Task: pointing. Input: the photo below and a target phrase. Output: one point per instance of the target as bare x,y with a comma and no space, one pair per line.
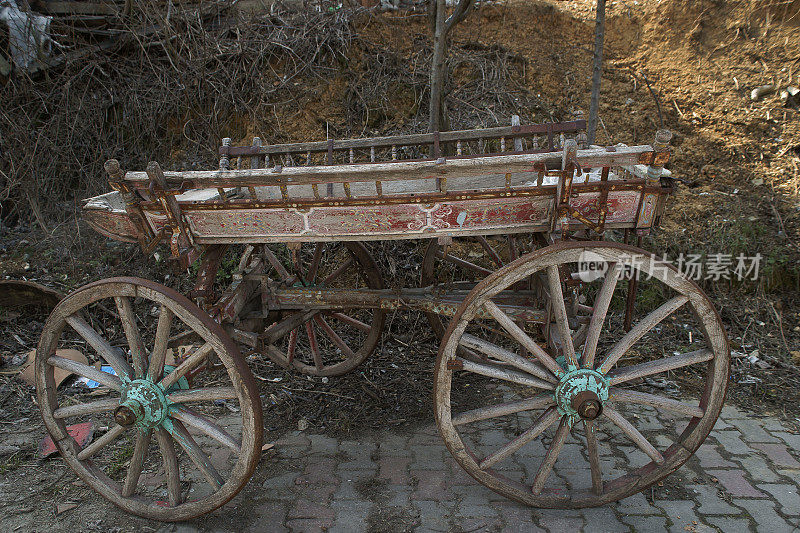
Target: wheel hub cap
143,404
581,393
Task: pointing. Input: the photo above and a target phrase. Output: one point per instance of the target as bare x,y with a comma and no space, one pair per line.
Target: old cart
530,304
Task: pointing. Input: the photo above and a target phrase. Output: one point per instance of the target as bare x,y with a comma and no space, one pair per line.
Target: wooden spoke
601,305
540,401
276,264
515,331
279,329
203,395
192,361
196,454
551,456
109,380
137,462
107,438
292,348
99,406
101,346
171,469
490,251
659,402
627,428
128,318
640,330
298,266
463,263
512,247
621,375
580,335
366,328
312,342
513,359
334,337
213,430
156,369
594,457
547,419
344,267
312,270
560,312
505,374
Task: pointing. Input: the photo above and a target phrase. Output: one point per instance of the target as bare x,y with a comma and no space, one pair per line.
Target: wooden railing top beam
406,140
399,170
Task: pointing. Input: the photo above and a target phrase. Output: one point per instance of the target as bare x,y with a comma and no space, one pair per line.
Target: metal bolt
588,405
124,416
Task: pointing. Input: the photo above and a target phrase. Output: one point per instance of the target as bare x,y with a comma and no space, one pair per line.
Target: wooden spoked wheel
172,441
323,341
468,260
556,413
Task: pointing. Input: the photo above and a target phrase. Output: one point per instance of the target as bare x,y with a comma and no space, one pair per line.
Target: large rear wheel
556,404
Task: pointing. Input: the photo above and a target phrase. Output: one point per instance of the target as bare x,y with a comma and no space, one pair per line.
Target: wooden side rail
510,132
464,143
402,170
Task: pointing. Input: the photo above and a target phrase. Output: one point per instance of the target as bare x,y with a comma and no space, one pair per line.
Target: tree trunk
597,69
438,67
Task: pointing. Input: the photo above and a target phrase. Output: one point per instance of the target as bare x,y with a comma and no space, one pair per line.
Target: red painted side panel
236,223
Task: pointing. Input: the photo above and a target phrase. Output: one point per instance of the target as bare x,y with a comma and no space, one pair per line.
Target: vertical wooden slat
352,156
255,161
372,154
517,141
224,161
379,188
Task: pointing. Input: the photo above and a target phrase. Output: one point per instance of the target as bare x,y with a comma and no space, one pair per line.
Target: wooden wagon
536,312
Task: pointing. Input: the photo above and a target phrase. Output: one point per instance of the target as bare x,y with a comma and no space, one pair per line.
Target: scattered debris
790,97
59,374
82,433
754,359
64,507
29,34
16,293
90,383
760,92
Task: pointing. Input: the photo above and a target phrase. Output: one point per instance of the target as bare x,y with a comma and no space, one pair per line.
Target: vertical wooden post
224,161
597,69
660,145
517,140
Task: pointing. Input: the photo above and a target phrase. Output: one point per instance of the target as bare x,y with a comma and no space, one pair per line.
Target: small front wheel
174,439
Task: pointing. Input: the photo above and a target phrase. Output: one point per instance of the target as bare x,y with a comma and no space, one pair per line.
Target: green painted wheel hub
143,404
580,394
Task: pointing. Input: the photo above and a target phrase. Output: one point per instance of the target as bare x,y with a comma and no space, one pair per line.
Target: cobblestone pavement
745,477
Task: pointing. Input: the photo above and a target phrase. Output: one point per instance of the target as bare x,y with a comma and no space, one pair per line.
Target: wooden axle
518,304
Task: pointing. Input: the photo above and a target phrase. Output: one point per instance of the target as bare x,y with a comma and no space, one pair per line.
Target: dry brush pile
172,82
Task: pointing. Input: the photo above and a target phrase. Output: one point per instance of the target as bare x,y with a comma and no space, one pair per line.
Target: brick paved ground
745,477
